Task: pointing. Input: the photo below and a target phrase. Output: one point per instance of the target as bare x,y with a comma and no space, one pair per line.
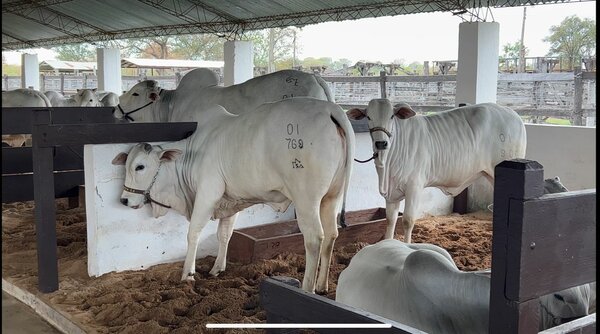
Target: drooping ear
169,155
153,96
403,111
120,159
356,113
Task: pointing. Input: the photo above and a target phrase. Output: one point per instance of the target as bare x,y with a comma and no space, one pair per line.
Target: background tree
573,39
511,50
76,52
198,47
272,46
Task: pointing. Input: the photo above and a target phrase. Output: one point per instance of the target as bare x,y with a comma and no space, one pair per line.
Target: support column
30,71
239,62
477,77
477,82
109,70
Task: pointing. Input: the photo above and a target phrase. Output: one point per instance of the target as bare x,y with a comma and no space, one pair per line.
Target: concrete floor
18,318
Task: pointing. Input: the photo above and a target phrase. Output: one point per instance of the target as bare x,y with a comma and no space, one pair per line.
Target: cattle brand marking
292,79
290,129
502,153
502,138
285,96
294,144
297,164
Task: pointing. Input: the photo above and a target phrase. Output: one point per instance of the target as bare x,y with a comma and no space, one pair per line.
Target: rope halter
146,192
375,154
126,114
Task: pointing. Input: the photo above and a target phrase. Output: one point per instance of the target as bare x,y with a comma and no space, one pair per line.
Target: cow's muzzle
381,145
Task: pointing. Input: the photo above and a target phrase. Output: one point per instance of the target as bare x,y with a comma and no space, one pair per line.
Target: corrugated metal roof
53,64
169,63
45,23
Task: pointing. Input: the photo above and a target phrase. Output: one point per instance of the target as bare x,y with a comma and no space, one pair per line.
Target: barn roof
169,63
46,23
61,65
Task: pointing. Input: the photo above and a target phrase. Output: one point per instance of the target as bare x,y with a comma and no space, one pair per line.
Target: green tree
75,52
198,47
271,46
511,50
573,39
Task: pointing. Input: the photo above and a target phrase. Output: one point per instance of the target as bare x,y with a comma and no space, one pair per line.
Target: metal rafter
19,6
236,27
177,10
58,21
6,35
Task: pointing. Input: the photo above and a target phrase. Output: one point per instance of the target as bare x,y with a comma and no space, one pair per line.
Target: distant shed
54,66
169,66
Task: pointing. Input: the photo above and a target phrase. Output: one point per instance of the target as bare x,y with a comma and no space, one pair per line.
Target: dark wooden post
577,96
382,81
460,204
45,211
62,83
515,180
5,82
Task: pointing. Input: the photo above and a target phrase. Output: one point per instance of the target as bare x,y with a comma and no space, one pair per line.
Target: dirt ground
156,301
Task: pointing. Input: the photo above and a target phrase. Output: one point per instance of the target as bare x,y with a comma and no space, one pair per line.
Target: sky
415,37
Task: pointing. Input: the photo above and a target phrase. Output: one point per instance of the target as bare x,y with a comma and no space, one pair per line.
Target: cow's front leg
200,217
224,232
391,213
411,211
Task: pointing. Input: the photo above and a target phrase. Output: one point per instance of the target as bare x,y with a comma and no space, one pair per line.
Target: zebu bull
296,150
22,97
108,99
448,150
83,98
419,285
198,90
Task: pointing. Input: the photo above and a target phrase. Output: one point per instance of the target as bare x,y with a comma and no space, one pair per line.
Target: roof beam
58,21
176,10
4,34
19,6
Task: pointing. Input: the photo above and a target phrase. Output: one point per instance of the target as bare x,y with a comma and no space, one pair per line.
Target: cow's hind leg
309,223
224,232
391,213
328,215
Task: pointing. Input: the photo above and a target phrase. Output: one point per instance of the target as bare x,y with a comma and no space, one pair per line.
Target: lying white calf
419,285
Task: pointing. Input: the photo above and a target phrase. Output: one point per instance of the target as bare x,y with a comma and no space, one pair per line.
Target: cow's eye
139,167
135,94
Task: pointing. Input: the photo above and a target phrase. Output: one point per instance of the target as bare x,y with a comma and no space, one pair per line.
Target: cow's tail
340,118
325,88
45,98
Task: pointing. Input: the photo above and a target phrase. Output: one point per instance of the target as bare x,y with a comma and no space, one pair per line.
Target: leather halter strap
378,128
146,192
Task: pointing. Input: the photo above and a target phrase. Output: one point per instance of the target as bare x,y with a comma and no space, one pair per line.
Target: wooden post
382,81
460,203
426,67
45,211
42,83
577,96
62,83
84,86
516,179
5,82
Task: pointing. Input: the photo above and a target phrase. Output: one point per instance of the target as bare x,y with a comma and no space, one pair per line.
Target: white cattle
83,98
108,99
419,285
23,97
198,90
296,150
448,150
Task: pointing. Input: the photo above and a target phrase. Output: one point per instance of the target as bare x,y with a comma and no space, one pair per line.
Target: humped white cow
22,97
296,150
448,150
83,98
420,286
108,99
198,90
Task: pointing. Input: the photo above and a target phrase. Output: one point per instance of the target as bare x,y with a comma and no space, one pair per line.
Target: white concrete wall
109,70
239,62
568,152
121,238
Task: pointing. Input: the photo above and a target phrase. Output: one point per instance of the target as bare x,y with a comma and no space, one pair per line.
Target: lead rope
375,155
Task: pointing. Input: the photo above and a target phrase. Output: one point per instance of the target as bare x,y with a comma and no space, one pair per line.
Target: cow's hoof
188,277
215,272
